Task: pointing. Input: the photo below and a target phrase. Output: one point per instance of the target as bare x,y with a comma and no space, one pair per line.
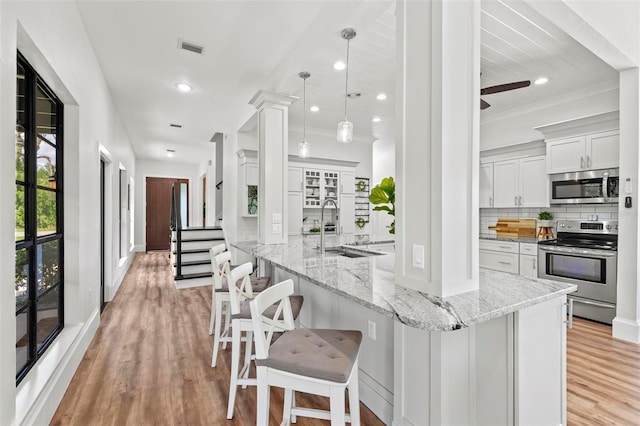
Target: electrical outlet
276,228
372,330
276,218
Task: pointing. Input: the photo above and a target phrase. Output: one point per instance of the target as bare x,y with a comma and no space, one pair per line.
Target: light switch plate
276,218
372,330
417,256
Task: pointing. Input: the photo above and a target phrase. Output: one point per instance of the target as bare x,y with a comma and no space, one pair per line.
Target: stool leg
354,397
294,418
216,331
227,321
337,406
247,356
286,410
235,360
263,397
213,310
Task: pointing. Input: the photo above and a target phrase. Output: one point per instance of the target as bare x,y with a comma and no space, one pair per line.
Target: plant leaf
382,208
378,196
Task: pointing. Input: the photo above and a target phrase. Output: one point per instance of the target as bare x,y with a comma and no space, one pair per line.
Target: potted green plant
384,195
544,218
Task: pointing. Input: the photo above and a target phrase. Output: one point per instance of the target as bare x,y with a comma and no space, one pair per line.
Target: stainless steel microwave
592,187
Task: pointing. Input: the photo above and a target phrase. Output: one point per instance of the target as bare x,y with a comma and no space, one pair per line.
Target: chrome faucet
327,201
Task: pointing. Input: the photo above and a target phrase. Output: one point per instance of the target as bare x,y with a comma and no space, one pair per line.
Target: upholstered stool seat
296,301
322,354
257,284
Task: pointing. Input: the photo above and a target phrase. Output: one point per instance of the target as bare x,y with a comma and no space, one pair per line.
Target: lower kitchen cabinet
499,255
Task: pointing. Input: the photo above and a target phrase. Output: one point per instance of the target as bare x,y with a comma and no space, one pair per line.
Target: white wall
165,169
52,37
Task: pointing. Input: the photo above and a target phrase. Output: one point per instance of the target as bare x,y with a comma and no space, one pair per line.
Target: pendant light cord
304,100
346,83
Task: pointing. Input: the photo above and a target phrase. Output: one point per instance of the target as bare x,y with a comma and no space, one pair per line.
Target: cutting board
515,228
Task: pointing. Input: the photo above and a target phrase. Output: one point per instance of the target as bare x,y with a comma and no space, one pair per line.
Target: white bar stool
221,265
317,361
213,252
239,296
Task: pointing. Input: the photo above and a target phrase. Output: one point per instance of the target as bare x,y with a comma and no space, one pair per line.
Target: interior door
158,211
102,239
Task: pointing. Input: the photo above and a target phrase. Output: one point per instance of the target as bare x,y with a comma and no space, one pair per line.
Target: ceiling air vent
179,126
190,46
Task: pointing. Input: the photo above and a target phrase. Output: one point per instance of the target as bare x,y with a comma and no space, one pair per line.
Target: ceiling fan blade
505,87
484,105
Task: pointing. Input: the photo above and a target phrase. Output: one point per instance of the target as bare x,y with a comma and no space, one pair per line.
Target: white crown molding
581,126
263,97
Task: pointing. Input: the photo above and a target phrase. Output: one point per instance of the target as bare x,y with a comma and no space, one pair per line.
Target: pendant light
345,128
303,147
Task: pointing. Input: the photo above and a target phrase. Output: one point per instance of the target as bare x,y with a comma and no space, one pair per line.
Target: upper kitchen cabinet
585,143
486,185
320,185
294,179
520,182
587,152
347,183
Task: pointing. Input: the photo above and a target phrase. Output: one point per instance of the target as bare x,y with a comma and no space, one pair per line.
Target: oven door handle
592,303
605,187
568,250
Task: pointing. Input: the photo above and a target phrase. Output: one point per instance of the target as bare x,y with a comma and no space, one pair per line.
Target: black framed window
39,274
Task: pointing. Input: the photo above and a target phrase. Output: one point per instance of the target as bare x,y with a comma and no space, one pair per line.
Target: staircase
190,255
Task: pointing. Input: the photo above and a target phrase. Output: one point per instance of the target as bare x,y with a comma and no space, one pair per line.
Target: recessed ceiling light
184,87
314,108
170,152
339,66
381,96
541,80
376,119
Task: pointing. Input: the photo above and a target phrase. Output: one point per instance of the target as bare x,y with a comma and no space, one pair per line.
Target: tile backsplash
489,217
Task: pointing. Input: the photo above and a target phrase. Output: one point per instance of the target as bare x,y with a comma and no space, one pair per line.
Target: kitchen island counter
369,281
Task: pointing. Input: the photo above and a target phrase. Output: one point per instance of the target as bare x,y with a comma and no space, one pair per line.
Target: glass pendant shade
303,149
345,132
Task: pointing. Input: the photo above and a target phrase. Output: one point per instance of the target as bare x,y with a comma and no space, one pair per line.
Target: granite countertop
369,281
531,240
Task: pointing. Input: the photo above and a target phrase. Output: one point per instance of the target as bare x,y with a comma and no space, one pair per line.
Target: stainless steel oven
592,187
585,253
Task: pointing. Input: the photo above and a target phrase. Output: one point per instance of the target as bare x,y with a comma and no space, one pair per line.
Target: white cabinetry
347,183
249,188
529,260
294,179
347,213
486,185
587,152
520,182
499,255
320,185
294,221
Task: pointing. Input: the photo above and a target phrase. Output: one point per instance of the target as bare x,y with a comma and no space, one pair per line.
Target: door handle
516,201
519,200
491,201
588,162
582,162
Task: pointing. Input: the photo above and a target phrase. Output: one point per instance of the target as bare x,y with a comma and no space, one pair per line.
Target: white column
437,146
273,130
626,324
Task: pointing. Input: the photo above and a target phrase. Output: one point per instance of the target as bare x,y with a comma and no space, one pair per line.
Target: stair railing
176,225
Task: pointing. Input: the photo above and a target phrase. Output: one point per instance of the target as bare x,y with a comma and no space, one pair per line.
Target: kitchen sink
347,252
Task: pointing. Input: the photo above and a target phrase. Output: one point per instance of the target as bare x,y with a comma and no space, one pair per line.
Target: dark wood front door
159,211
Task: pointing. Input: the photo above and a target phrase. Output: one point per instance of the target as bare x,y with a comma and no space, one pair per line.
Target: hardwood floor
149,362
603,377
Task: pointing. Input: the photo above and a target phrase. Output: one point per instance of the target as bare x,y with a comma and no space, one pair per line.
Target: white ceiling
252,45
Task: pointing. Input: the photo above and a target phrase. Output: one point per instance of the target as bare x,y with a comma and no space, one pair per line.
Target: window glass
46,172
48,314
20,212
20,160
46,121
22,278
46,212
48,261
22,340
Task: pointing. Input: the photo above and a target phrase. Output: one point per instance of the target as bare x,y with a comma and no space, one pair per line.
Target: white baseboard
625,329
193,282
121,271
376,397
40,392
139,248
